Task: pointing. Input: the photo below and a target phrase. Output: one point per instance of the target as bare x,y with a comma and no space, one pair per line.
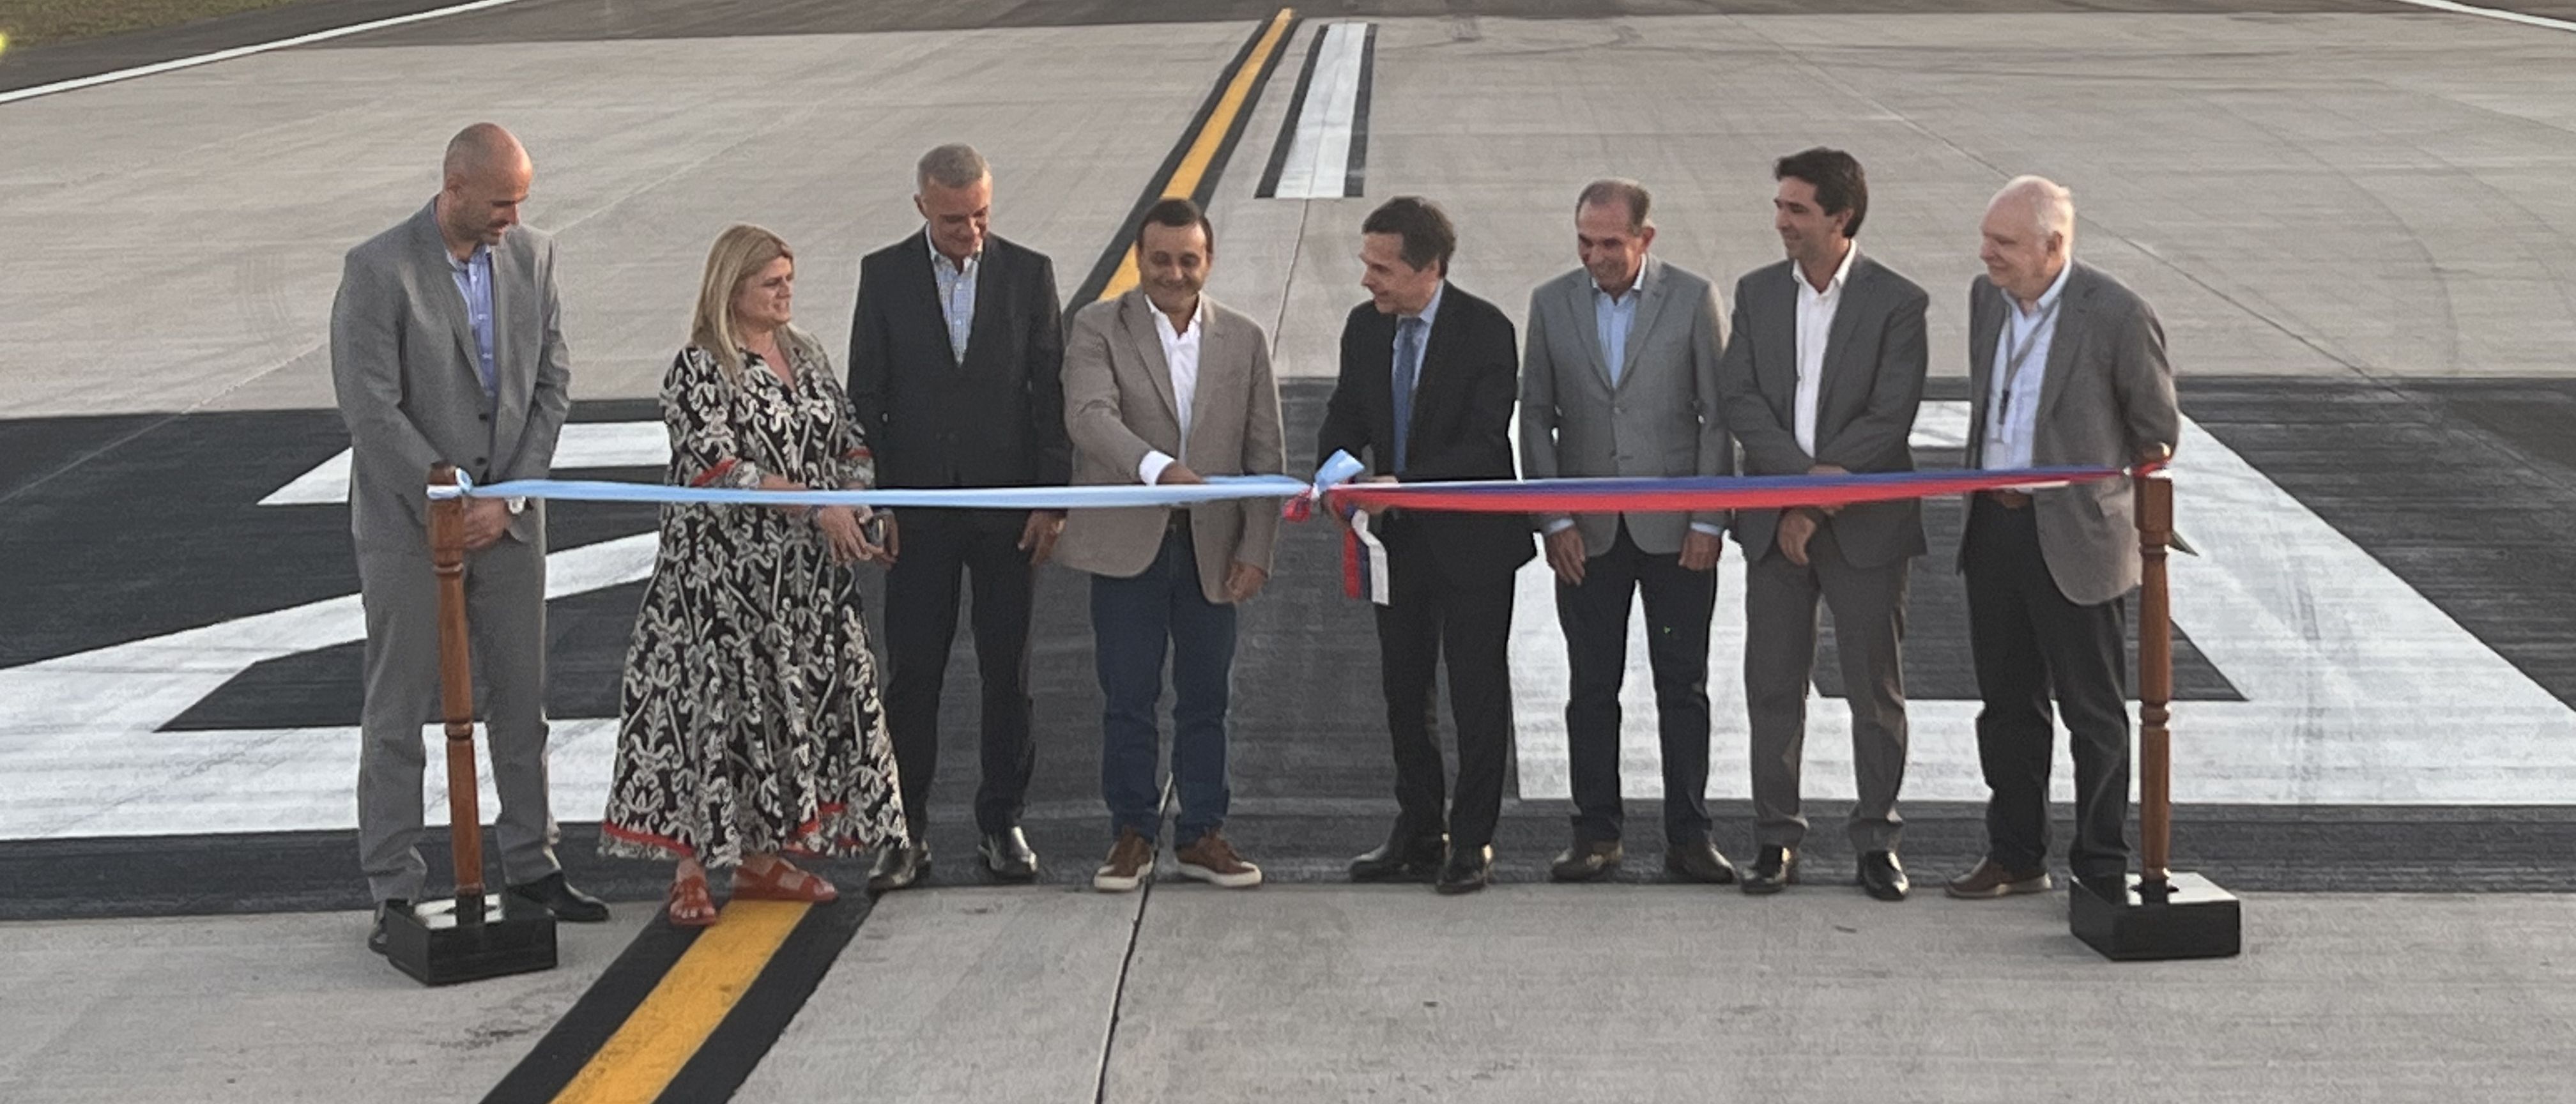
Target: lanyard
2014,358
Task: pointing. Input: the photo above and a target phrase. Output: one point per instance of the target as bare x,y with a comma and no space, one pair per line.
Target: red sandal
781,882
691,905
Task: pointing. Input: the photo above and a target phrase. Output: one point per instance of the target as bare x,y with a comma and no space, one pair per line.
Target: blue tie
1408,365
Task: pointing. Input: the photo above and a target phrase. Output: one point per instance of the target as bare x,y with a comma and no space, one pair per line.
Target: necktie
1408,366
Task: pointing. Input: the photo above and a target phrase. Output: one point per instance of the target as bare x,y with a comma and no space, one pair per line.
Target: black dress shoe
559,897
1881,876
1698,861
377,940
898,867
1587,860
1006,853
1401,859
1467,870
1774,870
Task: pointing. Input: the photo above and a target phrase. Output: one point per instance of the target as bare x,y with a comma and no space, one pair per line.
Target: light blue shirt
956,293
1430,312
1614,316
2012,404
474,282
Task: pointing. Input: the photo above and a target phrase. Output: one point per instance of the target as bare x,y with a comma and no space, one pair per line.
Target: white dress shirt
1181,353
956,286
1815,328
2012,402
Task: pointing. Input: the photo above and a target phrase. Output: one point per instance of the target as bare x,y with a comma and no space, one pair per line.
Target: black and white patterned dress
749,720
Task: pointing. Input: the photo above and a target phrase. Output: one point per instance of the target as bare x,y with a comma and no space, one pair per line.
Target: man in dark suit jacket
1824,375
1427,378
956,353
2066,366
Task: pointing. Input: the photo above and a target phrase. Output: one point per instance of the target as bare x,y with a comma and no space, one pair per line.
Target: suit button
482,417
478,462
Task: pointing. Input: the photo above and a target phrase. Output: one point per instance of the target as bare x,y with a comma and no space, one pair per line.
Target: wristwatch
518,504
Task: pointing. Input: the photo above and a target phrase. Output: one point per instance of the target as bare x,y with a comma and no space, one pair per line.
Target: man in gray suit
447,347
1619,378
1163,385
1823,376
2066,367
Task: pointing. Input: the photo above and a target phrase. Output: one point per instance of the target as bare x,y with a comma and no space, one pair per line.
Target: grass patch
42,22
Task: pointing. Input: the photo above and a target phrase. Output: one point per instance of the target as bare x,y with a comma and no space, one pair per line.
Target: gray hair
2051,206
1604,192
955,165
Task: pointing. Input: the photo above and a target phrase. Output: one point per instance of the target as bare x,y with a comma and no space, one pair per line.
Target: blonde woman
749,724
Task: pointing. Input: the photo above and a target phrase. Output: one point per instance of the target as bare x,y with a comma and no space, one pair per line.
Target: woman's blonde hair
739,254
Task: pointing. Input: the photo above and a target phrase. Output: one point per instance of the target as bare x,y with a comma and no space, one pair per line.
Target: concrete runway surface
2352,216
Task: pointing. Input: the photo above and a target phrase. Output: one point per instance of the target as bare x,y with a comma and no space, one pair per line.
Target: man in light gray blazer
2066,367
1824,375
1163,385
447,347
1619,378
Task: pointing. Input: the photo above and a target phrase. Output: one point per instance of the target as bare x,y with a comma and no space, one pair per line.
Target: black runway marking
1121,241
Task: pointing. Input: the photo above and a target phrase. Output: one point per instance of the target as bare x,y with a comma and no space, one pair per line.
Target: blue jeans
1135,623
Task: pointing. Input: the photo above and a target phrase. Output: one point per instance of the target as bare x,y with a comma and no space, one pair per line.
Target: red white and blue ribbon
1364,566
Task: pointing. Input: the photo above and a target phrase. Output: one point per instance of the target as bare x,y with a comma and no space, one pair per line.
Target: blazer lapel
1650,306
505,367
1136,313
2072,309
1855,296
926,291
1581,299
438,270
1985,328
988,300
1215,367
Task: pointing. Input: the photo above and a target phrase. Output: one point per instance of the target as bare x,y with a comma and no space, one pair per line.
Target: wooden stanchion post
2155,914
456,697
477,935
2155,685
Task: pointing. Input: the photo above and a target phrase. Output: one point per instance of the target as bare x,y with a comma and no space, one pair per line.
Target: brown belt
2010,500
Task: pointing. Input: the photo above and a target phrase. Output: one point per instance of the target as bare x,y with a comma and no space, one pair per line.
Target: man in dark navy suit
1428,375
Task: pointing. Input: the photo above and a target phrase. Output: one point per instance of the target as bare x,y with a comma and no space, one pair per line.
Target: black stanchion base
428,942
2190,917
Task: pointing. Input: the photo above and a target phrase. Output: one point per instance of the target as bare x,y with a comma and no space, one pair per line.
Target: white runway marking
1319,157
2494,13
191,62
2358,689
582,445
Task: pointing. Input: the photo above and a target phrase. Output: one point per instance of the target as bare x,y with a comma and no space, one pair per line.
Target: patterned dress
749,720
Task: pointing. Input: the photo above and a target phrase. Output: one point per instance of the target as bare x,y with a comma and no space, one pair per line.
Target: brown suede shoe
1130,863
1212,860
1991,880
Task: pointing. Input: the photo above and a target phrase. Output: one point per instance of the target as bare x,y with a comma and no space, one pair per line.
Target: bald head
2028,236
483,180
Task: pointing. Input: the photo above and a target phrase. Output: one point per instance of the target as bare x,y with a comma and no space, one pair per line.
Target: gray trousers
1868,604
505,611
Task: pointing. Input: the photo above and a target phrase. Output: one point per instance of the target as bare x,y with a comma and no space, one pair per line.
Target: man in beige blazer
2066,367
1163,385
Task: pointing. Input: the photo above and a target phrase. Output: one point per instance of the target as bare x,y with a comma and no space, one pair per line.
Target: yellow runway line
1194,164
667,1029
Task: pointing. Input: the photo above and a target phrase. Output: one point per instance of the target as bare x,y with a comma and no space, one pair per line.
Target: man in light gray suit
1163,385
2066,367
1823,376
1619,378
447,347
